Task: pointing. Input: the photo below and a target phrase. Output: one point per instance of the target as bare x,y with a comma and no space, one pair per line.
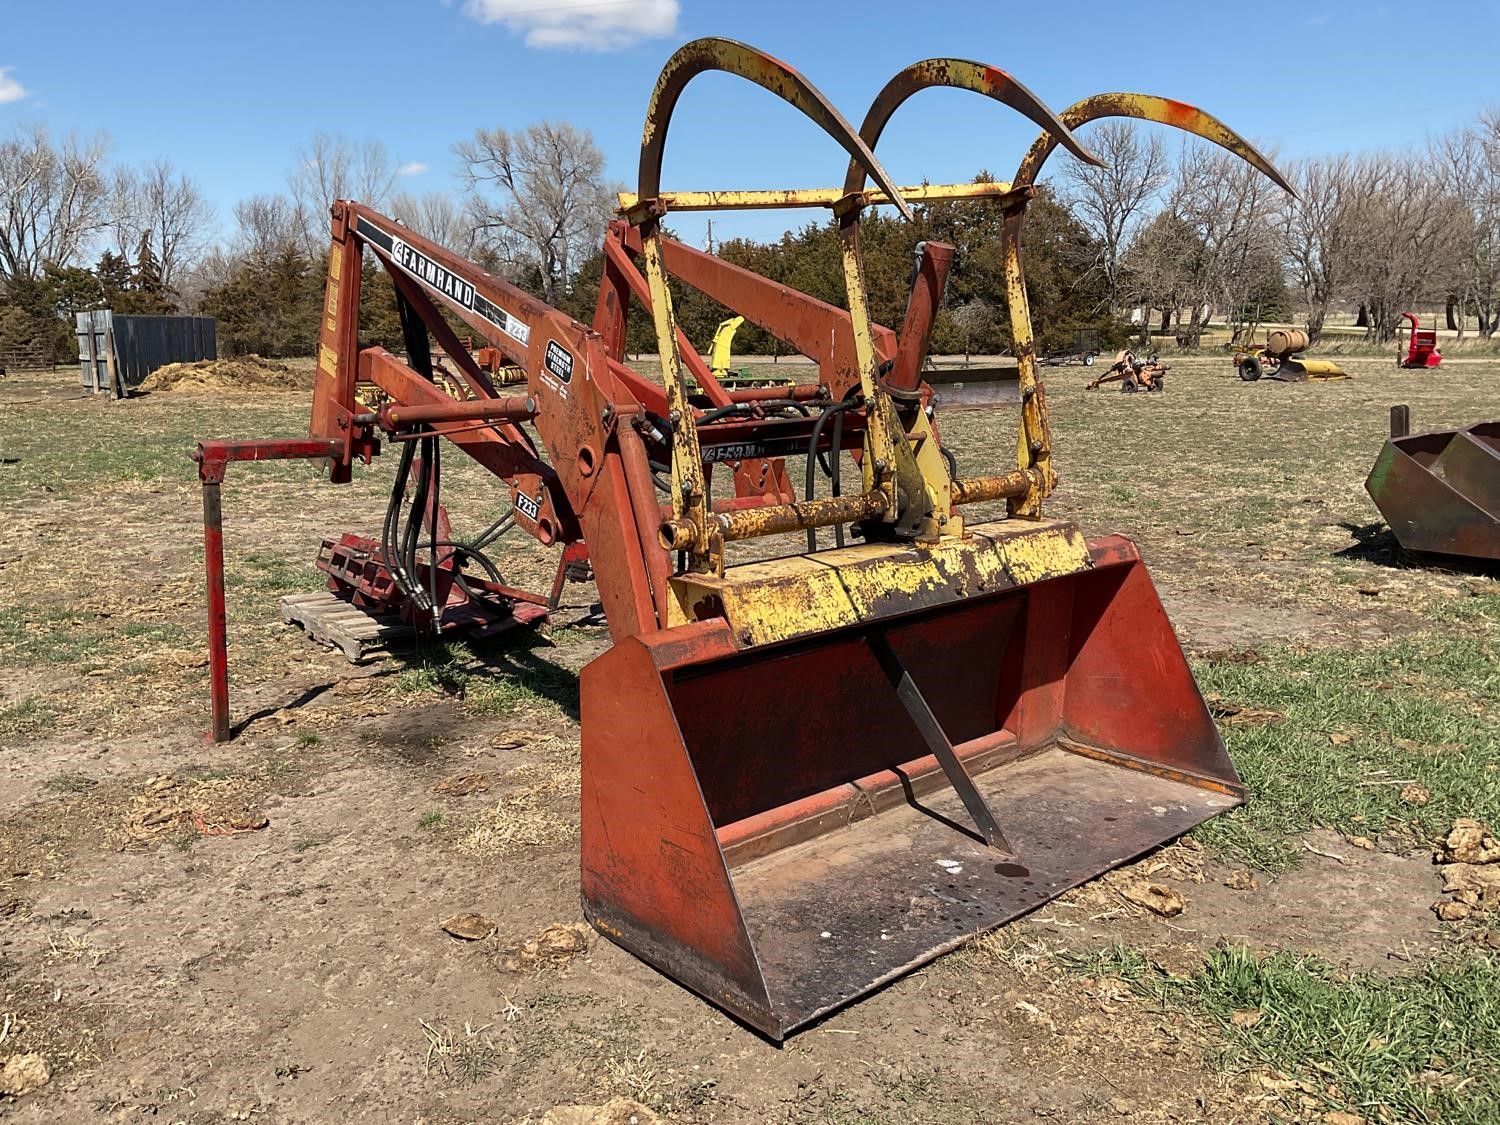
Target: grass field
207,934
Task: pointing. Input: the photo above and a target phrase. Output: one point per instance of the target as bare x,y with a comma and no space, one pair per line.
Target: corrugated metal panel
141,345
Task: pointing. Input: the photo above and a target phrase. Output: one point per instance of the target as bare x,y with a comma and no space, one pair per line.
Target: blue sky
228,91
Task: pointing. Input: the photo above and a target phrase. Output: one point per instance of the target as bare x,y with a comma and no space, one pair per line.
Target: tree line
1181,234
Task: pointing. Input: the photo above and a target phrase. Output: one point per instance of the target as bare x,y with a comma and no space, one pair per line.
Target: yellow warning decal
331,302
328,361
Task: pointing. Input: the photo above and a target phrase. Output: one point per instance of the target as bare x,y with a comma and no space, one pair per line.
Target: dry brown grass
538,811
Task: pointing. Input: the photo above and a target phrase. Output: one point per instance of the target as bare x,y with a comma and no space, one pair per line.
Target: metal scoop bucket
1440,491
771,826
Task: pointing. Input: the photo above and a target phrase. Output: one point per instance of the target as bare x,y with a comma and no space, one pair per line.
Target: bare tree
53,200
164,206
1113,201
331,167
1316,229
266,225
438,216
1407,235
971,318
1159,266
1230,207
537,197
1468,167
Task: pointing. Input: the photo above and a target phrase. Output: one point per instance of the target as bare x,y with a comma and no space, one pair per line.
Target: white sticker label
444,281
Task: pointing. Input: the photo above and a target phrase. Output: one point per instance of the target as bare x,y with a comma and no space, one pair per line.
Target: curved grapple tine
960,74
774,75
1148,107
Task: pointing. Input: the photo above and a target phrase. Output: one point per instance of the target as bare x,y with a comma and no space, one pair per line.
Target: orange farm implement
806,773
1149,374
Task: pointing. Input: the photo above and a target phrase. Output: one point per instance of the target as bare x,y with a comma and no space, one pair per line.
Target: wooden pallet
330,620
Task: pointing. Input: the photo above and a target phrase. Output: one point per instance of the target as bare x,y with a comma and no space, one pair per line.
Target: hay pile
245,373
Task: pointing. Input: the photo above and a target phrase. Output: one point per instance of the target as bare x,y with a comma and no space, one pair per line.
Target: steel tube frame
213,459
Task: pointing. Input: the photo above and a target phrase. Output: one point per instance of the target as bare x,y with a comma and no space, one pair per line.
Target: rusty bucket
771,827
1440,491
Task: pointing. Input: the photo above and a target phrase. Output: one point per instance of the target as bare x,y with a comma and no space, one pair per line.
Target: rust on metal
1006,486
823,197
776,519
960,74
1147,107
509,408
772,74
1440,491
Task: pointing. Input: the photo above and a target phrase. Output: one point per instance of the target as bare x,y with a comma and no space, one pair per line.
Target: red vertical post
934,261
338,339
213,569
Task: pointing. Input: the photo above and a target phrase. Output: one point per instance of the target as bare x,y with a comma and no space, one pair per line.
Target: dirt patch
1325,906
247,373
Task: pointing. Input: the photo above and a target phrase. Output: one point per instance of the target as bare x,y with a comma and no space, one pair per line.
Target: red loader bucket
771,828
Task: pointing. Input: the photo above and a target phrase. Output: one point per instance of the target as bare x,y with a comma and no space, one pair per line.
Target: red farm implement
804,773
1421,345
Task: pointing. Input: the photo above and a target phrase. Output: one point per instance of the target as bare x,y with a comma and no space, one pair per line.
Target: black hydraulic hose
746,407
391,527
494,531
468,551
432,532
833,477
418,346
417,516
814,455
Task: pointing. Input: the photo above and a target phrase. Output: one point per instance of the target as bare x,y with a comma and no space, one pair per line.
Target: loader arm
593,483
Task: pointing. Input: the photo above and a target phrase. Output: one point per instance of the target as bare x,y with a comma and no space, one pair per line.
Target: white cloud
414,168
10,89
600,25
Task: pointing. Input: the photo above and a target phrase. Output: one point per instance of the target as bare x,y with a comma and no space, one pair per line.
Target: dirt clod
554,947
1473,884
1417,795
1246,1017
1233,715
616,1111
1161,900
1339,1117
468,926
1240,879
1469,841
463,784
24,1073
1451,911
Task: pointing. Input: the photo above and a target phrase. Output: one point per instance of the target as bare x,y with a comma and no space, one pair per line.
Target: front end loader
843,725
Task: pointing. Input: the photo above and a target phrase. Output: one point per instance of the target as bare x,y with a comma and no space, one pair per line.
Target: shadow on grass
266,712
491,675
1376,544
